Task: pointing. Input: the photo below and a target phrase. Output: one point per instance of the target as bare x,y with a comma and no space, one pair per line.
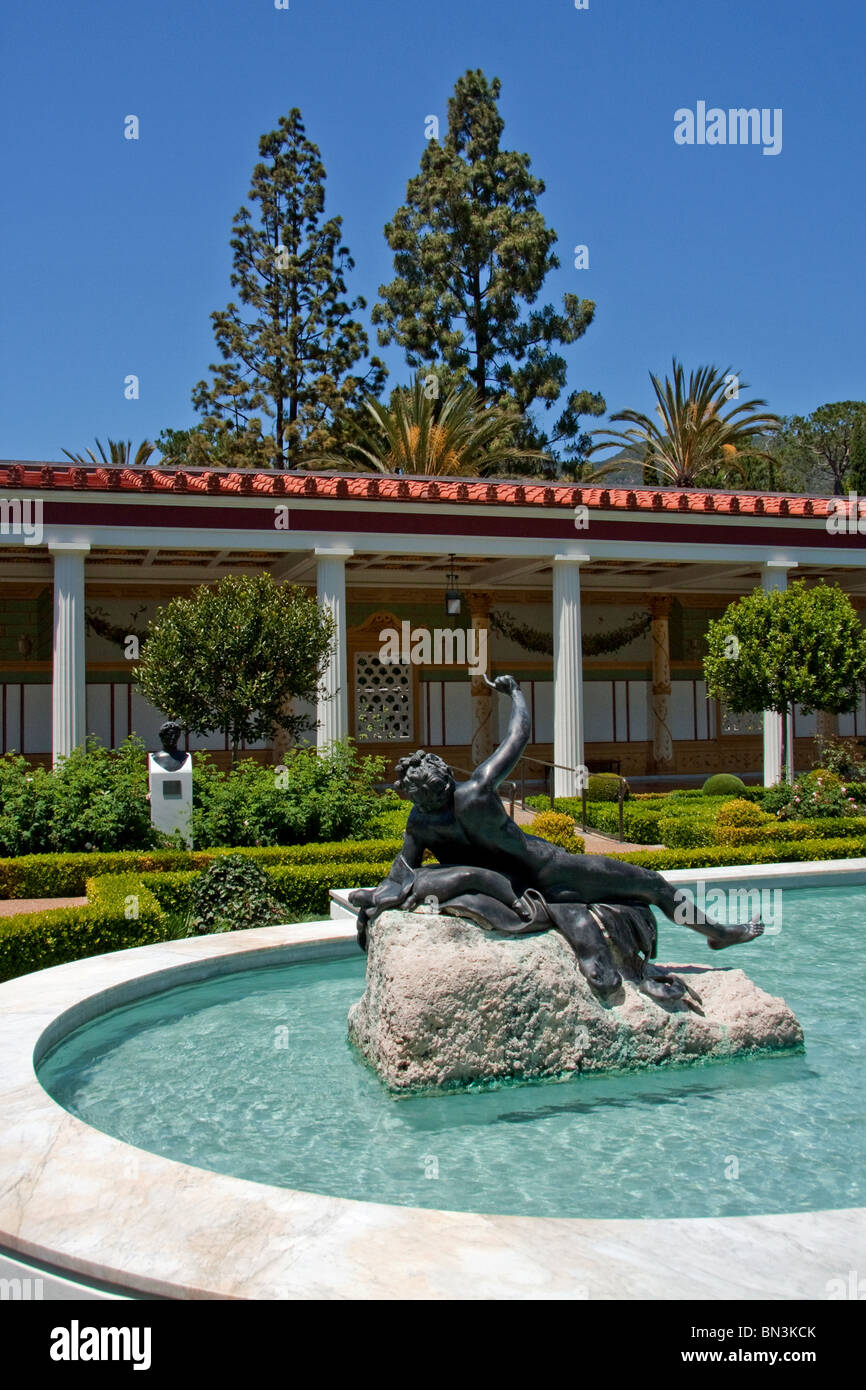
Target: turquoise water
251,1074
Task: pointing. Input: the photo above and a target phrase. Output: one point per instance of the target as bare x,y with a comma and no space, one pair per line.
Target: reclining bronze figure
490,871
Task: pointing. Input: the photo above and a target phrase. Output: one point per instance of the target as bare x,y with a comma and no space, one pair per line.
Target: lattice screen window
747,723
383,700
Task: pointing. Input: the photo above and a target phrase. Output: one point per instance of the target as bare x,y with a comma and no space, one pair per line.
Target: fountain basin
99,1207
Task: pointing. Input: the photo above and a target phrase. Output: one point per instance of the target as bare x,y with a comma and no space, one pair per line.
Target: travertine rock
448,1004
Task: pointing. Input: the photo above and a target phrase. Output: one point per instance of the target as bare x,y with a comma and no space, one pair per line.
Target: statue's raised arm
501,761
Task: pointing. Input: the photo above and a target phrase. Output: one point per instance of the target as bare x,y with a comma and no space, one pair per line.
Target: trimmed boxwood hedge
302,888
65,875
680,821
35,940
773,852
822,828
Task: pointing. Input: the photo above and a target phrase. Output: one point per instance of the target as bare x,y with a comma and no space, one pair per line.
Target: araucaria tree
233,655
471,254
774,649
291,346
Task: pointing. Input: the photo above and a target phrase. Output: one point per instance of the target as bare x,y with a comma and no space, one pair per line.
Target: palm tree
119,454
696,442
455,433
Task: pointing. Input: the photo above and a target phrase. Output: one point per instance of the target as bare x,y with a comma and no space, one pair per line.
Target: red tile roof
370,487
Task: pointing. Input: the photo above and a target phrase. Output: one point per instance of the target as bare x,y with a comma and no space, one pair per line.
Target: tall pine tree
471,254
856,480
289,348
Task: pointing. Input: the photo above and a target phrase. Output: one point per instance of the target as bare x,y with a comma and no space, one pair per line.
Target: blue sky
115,252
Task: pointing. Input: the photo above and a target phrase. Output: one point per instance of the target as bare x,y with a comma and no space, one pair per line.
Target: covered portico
553,575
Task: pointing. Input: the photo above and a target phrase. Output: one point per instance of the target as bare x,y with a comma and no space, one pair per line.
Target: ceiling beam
696,576
502,572
292,566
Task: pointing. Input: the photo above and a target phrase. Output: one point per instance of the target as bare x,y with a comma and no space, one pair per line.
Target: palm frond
118,456
701,431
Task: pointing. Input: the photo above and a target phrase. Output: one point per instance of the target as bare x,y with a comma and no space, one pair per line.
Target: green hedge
679,820
723,784
826,828
717,856
640,822
36,940
687,832
302,888
65,875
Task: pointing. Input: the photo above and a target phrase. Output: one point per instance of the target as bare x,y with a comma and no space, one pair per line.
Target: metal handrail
548,781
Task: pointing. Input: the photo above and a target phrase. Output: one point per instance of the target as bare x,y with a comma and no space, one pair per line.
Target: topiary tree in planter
774,649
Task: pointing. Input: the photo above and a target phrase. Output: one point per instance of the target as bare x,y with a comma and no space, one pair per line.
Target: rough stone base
447,1004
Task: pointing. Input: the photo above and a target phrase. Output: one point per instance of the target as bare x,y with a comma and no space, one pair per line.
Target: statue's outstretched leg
597,879
583,934
718,934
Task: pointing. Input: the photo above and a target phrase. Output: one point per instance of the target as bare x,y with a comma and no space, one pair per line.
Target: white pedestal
171,797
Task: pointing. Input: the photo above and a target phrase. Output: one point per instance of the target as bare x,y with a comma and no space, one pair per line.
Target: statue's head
169,735
425,779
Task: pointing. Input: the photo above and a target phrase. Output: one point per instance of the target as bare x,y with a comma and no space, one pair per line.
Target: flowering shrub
96,799
841,757
816,794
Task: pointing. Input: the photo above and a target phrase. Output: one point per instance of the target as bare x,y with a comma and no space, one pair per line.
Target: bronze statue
168,757
511,882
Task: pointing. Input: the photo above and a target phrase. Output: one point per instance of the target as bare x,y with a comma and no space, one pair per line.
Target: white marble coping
98,1209
817,873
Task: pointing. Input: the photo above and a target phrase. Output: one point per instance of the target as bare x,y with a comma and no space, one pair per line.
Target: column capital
479,603
336,552
571,559
774,574
69,547
660,605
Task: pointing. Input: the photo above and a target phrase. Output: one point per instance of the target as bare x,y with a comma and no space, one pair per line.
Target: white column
567,674
68,695
332,710
774,575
